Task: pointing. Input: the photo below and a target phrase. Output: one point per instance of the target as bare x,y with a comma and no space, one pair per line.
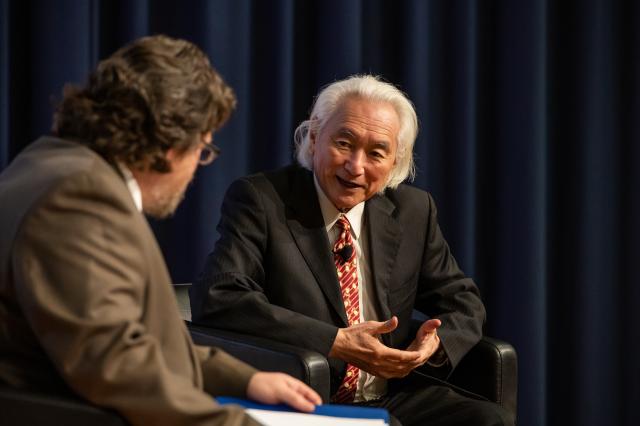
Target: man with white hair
334,254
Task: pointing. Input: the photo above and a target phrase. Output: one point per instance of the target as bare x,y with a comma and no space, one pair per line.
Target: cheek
191,166
378,178
323,161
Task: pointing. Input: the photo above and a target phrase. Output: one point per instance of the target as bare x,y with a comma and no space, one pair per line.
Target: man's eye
342,143
377,154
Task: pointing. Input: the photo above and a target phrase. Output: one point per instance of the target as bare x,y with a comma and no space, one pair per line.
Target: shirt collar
132,185
331,214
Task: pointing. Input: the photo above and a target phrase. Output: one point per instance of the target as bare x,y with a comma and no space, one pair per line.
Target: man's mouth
347,184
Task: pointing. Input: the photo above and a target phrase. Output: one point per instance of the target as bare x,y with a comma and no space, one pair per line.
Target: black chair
26,408
490,369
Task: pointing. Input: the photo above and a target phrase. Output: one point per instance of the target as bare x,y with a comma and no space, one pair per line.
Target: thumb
387,326
428,327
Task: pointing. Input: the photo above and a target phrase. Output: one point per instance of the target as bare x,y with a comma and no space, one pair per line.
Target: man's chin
344,204
159,214
164,207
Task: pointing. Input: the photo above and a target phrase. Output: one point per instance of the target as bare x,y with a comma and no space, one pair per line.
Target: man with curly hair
86,303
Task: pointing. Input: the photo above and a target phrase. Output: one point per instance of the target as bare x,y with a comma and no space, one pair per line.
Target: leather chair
26,408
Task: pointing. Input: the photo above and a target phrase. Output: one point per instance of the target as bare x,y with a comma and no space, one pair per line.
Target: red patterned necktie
345,260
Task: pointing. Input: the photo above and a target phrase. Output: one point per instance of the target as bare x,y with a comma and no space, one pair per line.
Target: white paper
285,418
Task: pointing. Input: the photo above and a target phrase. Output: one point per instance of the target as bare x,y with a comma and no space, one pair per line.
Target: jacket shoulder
282,183
408,196
284,176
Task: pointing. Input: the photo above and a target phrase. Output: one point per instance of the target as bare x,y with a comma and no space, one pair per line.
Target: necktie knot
343,223
343,248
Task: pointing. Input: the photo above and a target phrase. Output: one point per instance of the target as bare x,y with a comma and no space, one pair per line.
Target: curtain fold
529,141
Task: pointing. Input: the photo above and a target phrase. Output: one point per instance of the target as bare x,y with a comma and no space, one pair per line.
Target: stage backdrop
530,143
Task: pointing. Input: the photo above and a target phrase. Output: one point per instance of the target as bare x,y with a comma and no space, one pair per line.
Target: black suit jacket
271,273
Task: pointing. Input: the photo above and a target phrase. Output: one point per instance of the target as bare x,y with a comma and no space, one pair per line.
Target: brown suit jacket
86,301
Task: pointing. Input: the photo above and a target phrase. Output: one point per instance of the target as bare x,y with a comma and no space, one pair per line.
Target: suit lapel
385,234
307,228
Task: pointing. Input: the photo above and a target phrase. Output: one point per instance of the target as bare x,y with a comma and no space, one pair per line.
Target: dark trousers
430,402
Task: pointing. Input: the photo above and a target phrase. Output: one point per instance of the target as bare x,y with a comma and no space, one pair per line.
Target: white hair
370,88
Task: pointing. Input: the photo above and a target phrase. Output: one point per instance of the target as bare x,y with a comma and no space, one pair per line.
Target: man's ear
313,135
312,141
171,154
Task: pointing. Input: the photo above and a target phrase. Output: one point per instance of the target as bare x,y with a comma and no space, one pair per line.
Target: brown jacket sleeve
82,262
223,374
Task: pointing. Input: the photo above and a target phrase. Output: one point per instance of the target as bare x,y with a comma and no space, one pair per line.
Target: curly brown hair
152,95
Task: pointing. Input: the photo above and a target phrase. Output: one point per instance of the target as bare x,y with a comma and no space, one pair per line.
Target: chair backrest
21,407
308,366
182,295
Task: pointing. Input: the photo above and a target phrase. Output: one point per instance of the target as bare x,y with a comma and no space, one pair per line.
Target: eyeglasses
208,153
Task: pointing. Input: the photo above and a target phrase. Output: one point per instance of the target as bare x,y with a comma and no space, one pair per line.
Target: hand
276,388
427,340
359,345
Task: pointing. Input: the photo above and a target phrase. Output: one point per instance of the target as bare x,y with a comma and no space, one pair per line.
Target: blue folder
333,410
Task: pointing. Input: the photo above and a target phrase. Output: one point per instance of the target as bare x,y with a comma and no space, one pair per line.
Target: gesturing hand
427,341
359,345
276,388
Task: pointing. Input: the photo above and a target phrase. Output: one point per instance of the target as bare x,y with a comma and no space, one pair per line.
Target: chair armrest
267,355
490,369
21,407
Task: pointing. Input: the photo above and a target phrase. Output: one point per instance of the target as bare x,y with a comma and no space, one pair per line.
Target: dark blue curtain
530,143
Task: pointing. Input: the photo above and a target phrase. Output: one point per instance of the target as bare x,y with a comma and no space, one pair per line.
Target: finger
428,327
389,362
387,326
307,392
431,325
397,372
390,356
292,396
297,401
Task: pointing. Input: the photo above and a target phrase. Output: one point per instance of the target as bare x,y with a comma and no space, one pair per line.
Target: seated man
334,255
86,303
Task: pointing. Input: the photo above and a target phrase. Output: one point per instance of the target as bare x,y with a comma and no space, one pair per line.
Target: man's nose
355,163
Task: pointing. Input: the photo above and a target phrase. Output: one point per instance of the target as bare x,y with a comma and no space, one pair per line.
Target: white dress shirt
132,184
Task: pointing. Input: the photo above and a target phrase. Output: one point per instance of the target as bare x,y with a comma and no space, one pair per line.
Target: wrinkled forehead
356,118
